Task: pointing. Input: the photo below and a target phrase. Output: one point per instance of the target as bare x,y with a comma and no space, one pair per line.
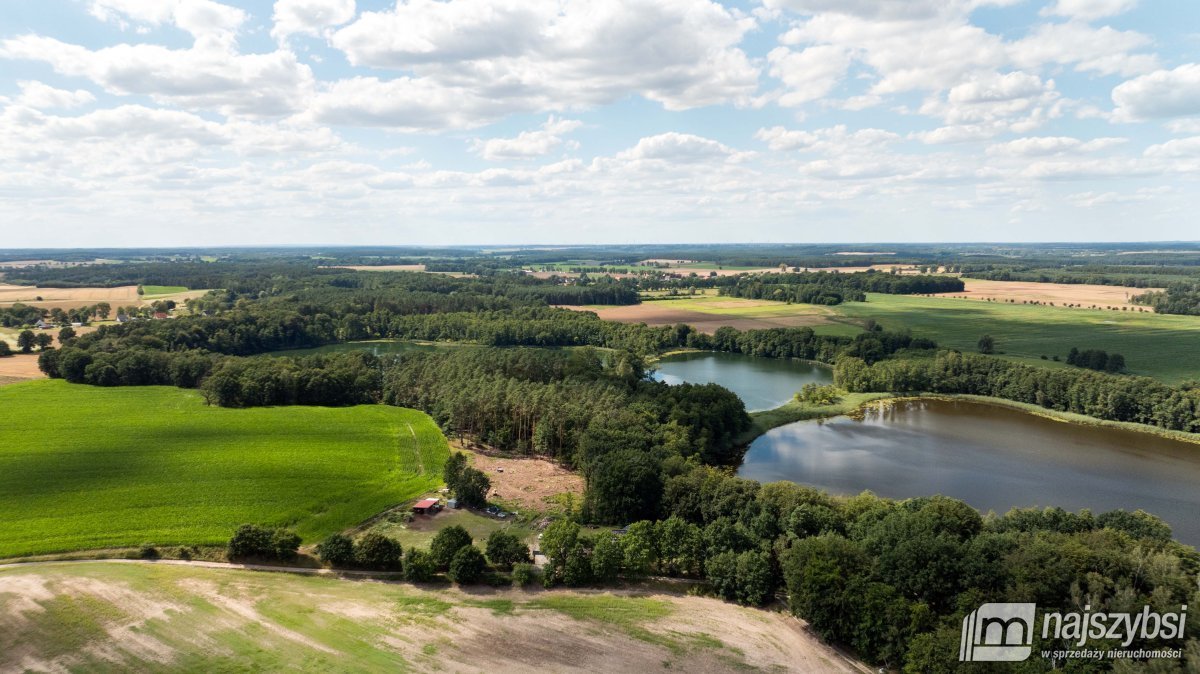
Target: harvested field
19,367
1058,293
70,298
529,482
709,312
171,617
381,267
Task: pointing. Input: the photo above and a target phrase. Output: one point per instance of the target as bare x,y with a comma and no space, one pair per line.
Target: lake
992,457
761,383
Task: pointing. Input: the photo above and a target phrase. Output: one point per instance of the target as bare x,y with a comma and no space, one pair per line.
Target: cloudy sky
185,122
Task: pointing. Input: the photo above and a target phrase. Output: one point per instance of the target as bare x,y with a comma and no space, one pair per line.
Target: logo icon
997,633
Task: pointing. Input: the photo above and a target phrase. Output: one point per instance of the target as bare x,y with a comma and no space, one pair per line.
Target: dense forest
833,288
890,579
1178,298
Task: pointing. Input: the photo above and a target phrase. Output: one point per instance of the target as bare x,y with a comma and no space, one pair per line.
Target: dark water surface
992,457
761,383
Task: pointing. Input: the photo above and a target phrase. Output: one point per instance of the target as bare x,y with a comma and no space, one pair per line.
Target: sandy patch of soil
707,323
1059,293
530,482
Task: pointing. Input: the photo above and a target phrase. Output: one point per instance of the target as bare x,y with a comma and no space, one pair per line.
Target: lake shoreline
855,403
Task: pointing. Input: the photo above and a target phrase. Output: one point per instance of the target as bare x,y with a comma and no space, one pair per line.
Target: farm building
43,324
426,506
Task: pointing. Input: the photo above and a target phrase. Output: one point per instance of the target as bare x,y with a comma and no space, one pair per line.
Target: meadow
84,467
111,616
1155,345
158,291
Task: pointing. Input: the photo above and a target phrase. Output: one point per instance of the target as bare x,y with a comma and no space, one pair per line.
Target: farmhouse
426,506
43,324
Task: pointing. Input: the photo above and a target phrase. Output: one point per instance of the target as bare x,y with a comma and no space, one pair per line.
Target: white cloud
678,148
1088,9
202,18
1052,145
1104,50
539,55
43,96
808,75
1163,93
201,77
833,140
527,144
309,17
1179,147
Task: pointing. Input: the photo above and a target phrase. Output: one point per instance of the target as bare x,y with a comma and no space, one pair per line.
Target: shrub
446,543
147,551
467,566
337,550
505,549
418,566
523,574
250,540
284,544
377,552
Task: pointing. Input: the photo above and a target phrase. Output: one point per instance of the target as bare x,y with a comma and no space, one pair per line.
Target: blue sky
197,122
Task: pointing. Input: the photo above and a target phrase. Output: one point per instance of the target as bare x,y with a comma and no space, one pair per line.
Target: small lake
992,457
761,383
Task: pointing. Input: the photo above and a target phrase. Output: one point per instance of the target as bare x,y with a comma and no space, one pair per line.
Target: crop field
70,298
1058,293
708,312
84,467
163,617
1155,345
156,291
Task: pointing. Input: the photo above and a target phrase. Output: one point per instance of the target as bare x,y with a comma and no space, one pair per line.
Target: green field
84,467
1155,345
155,291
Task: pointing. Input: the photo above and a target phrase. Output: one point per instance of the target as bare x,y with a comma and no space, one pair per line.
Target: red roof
426,503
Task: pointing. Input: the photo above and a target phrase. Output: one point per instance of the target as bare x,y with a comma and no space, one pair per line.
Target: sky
197,122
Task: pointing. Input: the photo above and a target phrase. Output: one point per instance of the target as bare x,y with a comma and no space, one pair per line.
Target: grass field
112,617
422,529
84,467
1155,345
155,291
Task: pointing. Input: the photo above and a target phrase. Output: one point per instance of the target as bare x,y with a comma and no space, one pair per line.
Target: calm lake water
761,383
991,457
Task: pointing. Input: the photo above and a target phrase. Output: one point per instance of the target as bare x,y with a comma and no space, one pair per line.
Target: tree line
1103,396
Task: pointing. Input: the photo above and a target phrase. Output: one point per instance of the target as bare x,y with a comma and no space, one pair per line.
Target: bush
337,550
467,566
505,549
148,551
523,574
447,543
251,540
377,552
284,544
418,566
